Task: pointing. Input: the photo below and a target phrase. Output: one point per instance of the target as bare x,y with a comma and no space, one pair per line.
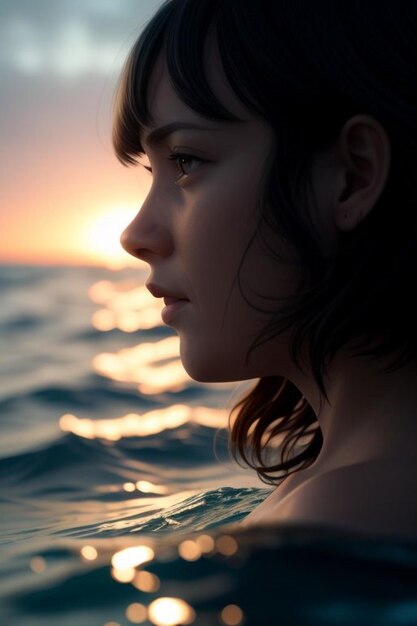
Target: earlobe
364,159
349,215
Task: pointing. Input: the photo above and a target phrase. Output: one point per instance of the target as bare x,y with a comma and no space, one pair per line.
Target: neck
369,415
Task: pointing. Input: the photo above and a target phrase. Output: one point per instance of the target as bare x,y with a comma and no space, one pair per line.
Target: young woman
282,141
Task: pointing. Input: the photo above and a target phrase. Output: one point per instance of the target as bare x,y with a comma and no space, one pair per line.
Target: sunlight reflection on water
125,306
143,425
144,364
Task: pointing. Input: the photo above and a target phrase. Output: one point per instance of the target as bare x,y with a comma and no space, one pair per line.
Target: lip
169,312
170,297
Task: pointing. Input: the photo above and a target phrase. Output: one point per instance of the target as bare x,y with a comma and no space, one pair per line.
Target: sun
103,238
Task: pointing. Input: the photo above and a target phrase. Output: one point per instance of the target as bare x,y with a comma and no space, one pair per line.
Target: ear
364,154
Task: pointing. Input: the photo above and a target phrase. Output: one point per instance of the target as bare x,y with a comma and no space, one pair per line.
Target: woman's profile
282,143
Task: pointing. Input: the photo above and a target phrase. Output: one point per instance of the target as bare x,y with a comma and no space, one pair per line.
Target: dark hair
305,68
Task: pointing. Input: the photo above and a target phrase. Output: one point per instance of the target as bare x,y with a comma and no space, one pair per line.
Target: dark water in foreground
119,504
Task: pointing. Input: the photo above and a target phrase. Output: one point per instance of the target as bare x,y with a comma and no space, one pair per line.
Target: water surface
119,502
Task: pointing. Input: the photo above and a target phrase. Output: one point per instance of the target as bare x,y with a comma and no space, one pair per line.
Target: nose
145,239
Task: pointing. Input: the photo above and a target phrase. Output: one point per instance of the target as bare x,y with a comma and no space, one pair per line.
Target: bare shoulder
373,497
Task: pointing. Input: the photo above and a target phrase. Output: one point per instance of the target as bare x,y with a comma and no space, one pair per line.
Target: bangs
179,32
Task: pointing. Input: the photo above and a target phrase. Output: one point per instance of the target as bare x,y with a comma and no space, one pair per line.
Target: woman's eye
184,161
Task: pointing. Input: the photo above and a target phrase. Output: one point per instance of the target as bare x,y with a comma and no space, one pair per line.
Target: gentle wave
69,451
90,394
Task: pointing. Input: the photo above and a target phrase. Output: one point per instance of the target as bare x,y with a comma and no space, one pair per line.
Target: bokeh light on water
170,612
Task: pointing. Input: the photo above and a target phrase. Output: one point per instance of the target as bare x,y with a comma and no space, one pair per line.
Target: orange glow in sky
91,237
101,237
64,196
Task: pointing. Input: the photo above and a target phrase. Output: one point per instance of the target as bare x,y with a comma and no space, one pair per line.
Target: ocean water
119,502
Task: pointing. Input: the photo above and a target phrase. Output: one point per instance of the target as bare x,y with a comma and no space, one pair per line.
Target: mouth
168,301
161,292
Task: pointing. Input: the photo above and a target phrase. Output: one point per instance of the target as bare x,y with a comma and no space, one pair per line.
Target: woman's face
193,230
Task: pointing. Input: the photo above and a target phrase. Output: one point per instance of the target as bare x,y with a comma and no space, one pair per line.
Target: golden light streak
131,425
146,487
170,612
143,365
89,429
143,425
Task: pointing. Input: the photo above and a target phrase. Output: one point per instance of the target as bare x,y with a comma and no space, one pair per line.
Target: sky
64,197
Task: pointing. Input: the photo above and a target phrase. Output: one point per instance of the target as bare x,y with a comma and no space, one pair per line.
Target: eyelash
176,156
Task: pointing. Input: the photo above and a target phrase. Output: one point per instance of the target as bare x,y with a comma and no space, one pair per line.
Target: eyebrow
158,134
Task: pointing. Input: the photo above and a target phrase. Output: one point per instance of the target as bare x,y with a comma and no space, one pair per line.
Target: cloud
69,38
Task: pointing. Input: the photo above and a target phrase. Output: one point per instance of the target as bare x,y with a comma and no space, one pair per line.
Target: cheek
223,326
219,224
216,245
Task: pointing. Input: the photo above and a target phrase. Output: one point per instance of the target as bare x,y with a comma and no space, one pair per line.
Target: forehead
166,105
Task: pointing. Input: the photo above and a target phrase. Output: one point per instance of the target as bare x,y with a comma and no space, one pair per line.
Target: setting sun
102,238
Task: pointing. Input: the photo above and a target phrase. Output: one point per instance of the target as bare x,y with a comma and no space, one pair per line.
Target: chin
204,370
203,374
